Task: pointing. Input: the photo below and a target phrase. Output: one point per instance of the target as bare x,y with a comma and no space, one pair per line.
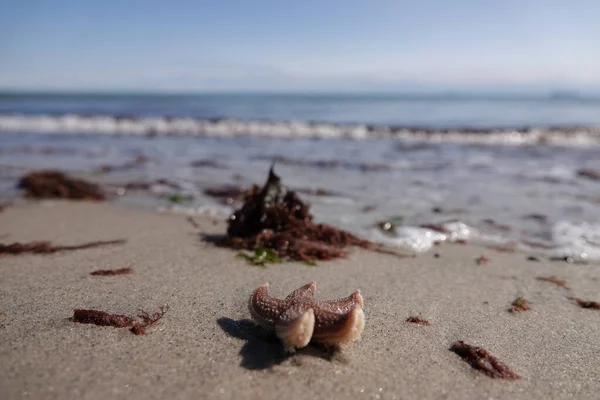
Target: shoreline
205,345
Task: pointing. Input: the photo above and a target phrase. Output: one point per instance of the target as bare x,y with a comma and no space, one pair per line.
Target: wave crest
185,126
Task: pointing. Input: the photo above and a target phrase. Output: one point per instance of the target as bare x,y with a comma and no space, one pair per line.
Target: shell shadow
263,349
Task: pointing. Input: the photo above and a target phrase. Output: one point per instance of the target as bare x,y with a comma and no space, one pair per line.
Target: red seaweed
102,318
553,279
594,305
417,320
111,272
49,184
148,320
48,248
275,218
520,304
481,360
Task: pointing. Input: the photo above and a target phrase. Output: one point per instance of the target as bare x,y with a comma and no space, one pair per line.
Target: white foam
578,241
112,125
413,238
423,239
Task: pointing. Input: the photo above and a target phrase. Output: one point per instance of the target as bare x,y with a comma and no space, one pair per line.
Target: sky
307,45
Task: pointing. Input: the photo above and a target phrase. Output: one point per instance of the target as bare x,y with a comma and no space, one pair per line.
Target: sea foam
76,124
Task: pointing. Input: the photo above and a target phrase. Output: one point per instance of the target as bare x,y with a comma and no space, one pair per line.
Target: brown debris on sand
520,304
417,320
102,318
48,248
148,320
481,360
49,184
589,173
594,305
481,260
553,279
510,247
275,218
193,222
111,272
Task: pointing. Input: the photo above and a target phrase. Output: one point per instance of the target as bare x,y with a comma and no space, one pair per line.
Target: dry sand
205,348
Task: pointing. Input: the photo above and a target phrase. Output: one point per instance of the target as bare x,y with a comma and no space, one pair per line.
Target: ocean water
494,169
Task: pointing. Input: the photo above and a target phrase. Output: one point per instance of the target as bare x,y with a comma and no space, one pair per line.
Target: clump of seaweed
275,218
111,272
520,304
417,320
553,279
594,305
102,318
49,184
48,248
481,360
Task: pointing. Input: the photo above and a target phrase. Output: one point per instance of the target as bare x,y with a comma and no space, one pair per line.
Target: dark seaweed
417,320
57,185
102,318
481,360
594,305
49,248
111,272
275,218
589,173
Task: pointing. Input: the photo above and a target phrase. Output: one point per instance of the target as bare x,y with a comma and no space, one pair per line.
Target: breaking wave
76,124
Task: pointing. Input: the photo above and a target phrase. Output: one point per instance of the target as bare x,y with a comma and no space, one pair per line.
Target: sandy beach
206,347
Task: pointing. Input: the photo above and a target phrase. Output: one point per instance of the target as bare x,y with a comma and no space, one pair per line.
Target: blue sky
312,45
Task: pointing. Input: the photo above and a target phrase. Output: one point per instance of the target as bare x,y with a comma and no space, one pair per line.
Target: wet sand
205,346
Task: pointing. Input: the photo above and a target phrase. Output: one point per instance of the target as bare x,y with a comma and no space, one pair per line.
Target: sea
516,171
